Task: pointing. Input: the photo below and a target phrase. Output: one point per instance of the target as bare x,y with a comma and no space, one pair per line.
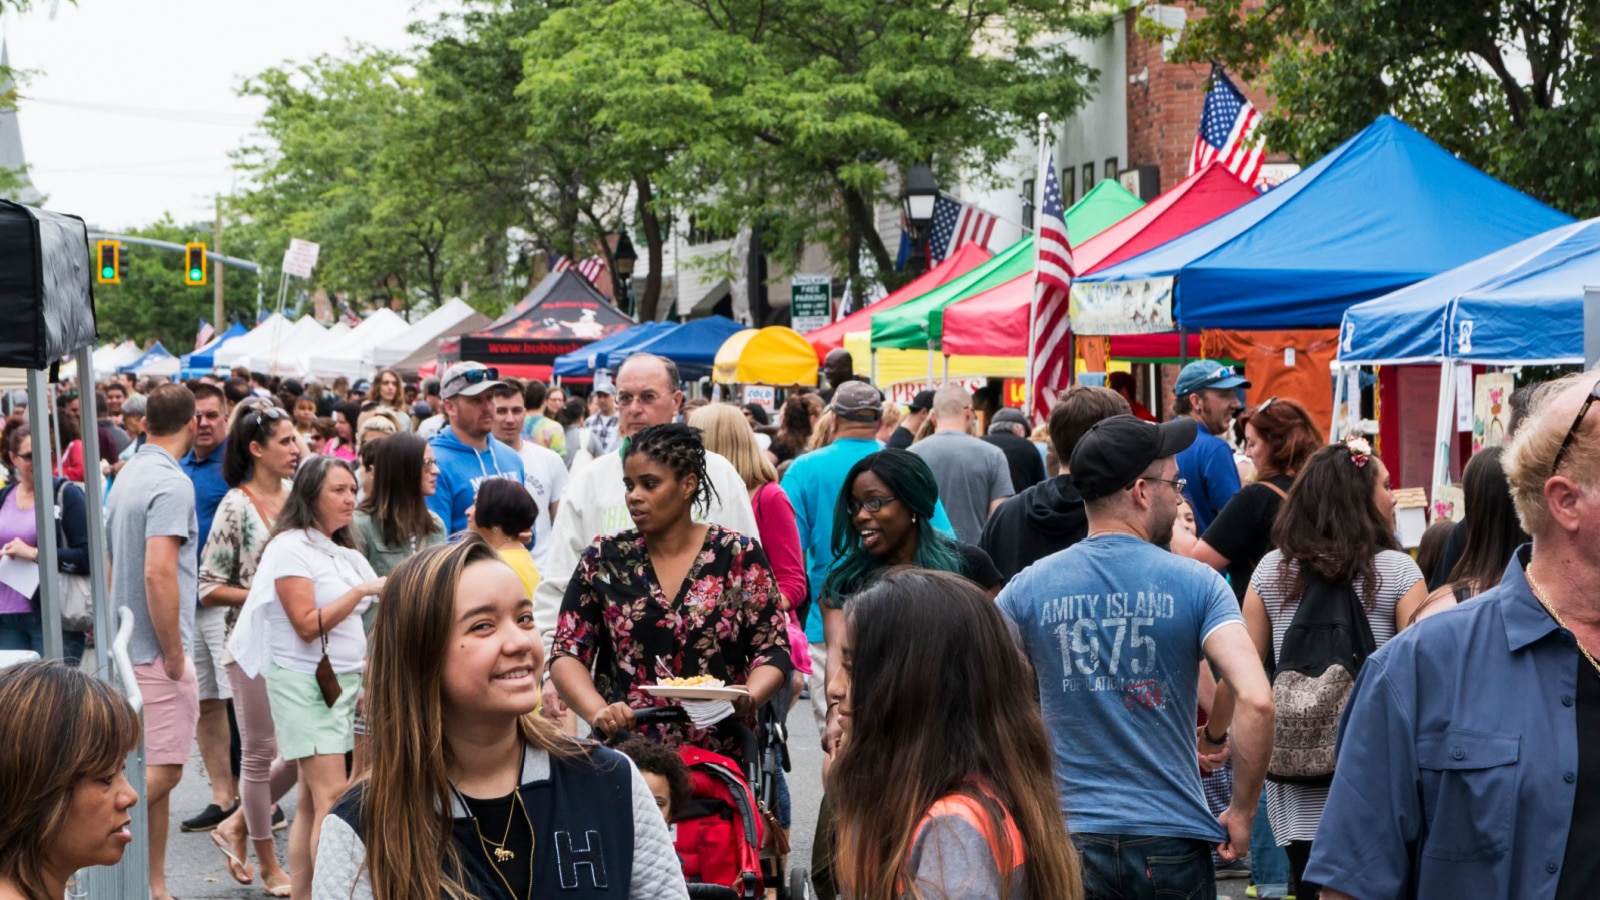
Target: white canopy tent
346,359
282,356
420,343
260,337
331,337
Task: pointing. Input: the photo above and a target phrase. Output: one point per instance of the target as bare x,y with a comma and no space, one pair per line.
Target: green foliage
153,302
1511,86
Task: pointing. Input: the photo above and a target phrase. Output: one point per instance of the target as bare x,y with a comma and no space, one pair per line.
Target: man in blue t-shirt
1117,628
1208,393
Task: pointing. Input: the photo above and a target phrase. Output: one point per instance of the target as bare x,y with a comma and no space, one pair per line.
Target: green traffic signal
108,273
196,274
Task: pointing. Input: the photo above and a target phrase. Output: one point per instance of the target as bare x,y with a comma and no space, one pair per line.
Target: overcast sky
173,67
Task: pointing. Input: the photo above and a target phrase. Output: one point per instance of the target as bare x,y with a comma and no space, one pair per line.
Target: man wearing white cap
603,424
466,452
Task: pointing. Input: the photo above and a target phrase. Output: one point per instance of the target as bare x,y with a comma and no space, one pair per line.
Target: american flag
204,335
350,317
956,223
1050,368
589,268
1228,131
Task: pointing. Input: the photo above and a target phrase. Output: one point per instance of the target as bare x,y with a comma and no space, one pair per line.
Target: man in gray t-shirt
152,535
973,476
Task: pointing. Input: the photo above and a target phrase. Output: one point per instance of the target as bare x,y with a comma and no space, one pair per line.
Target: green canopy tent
1106,204
905,327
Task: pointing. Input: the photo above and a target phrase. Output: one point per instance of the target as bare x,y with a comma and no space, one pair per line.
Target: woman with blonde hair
67,800
464,774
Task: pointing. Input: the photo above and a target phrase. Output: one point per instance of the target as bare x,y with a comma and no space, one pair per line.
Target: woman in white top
307,598
1339,520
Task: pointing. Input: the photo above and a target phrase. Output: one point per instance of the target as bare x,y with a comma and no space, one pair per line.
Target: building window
1027,204
703,232
1111,167
1069,191
1088,176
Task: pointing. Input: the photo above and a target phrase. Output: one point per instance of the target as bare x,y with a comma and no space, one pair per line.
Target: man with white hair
973,477
1469,755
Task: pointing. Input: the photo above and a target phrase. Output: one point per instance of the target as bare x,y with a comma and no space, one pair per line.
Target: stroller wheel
799,886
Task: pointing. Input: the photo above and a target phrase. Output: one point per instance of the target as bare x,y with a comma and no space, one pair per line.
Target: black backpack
1322,653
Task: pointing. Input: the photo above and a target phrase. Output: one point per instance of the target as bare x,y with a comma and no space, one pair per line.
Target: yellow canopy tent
774,355
896,365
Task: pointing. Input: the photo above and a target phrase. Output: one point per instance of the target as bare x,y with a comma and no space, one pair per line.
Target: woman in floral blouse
262,453
670,598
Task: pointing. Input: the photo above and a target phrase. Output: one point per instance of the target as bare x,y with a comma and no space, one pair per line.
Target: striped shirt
1295,809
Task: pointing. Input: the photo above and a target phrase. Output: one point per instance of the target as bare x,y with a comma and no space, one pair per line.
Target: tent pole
1335,427
1072,357
872,364
946,379
930,367
1445,433
1183,347
40,404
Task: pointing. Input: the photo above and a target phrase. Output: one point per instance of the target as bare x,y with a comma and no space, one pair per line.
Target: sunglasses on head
1572,433
477,376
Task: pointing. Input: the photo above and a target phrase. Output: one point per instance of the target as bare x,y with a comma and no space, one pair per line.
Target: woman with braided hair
670,598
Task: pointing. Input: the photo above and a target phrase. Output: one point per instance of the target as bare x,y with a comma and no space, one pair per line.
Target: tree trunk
862,224
655,249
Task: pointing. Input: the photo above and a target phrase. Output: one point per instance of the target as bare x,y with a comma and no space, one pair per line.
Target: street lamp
625,257
918,194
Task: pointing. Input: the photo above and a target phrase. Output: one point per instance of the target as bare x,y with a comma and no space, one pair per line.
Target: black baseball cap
1116,451
922,401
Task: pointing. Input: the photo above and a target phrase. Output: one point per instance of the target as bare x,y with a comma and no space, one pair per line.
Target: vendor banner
904,392
1122,307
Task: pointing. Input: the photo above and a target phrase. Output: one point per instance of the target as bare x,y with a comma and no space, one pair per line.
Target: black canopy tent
564,313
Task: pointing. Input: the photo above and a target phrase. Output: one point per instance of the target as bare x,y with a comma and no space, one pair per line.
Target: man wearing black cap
1116,627
903,435
1008,430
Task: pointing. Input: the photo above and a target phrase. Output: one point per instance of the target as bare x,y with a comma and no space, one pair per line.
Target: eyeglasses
648,398
1178,484
476,376
871,504
1594,394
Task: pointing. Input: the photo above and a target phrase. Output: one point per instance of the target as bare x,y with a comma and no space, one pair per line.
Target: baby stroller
728,850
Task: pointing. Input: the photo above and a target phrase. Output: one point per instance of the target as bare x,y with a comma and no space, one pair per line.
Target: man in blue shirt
466,450
1207,392
1469,754
1117,628
203,465
813,482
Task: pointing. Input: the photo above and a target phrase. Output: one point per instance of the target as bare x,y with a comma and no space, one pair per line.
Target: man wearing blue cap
1207,391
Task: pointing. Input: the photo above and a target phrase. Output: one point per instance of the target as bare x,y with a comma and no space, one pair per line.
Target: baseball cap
857,401
1205,373
134,406
603,384
922,402
468,379
1116,451
1010,415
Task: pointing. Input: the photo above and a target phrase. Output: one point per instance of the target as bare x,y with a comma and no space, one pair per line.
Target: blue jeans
25,631
1269,865
1135,867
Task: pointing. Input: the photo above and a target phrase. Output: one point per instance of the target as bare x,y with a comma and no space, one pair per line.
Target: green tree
152,302
1511,86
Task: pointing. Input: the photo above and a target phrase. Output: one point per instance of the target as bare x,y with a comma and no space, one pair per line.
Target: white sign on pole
810,302
1463,398
300,258
762,394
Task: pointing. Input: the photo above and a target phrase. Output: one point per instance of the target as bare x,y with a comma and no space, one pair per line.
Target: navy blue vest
582,826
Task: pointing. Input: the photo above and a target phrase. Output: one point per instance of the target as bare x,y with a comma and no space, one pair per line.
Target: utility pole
216,249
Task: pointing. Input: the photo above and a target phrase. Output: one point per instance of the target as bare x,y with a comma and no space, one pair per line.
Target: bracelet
1215,742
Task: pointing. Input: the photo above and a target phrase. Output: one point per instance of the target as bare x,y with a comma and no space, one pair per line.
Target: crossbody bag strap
1275,489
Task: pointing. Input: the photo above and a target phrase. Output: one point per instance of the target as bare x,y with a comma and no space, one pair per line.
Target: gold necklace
1539,595
501,855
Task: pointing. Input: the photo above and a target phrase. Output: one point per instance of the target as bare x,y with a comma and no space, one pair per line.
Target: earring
913,518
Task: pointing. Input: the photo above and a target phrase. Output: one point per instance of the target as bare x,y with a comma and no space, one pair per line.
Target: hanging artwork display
1491,409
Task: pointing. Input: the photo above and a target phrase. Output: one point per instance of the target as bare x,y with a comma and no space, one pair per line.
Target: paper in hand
21,575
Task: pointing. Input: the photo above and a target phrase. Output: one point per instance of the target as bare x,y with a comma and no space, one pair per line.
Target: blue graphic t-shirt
1114,627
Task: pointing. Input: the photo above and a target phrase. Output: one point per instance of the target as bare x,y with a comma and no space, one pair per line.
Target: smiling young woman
67,803
470,793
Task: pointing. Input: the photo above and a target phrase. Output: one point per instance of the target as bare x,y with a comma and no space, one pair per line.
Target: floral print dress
234,547
725,621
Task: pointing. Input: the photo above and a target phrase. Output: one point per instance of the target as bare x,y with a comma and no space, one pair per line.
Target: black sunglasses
265,414
477,376
1594,394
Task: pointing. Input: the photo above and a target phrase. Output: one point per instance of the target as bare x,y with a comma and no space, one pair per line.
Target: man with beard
1116,628
1208,393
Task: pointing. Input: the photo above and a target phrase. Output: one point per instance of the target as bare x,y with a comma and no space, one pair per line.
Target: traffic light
108,262
194,263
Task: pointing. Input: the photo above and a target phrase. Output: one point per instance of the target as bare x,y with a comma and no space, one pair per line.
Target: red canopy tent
967,257
995,323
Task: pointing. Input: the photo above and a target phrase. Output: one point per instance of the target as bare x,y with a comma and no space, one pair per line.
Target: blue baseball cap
1204,373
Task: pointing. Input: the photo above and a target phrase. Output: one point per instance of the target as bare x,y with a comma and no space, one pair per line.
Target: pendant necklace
500,855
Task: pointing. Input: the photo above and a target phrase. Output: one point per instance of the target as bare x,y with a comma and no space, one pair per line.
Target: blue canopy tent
692,345
148,359
1385,209
1520,306
582,362
203,360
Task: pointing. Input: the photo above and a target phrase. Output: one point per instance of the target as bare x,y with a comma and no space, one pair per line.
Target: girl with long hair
670,598
949,798
388,391
1338,523
64,741
1279,436
470,794
301,629
258,464
1493,532
394,520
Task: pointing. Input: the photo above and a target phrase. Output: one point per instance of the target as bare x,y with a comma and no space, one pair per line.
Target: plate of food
698,687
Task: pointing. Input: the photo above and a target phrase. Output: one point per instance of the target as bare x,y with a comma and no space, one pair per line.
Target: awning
774,355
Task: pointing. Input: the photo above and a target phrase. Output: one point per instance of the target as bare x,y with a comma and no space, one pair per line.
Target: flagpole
1033,302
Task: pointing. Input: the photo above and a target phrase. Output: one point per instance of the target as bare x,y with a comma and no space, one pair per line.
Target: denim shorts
1139,867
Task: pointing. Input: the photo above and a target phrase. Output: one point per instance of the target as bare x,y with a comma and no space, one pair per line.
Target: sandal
281,890
235,864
